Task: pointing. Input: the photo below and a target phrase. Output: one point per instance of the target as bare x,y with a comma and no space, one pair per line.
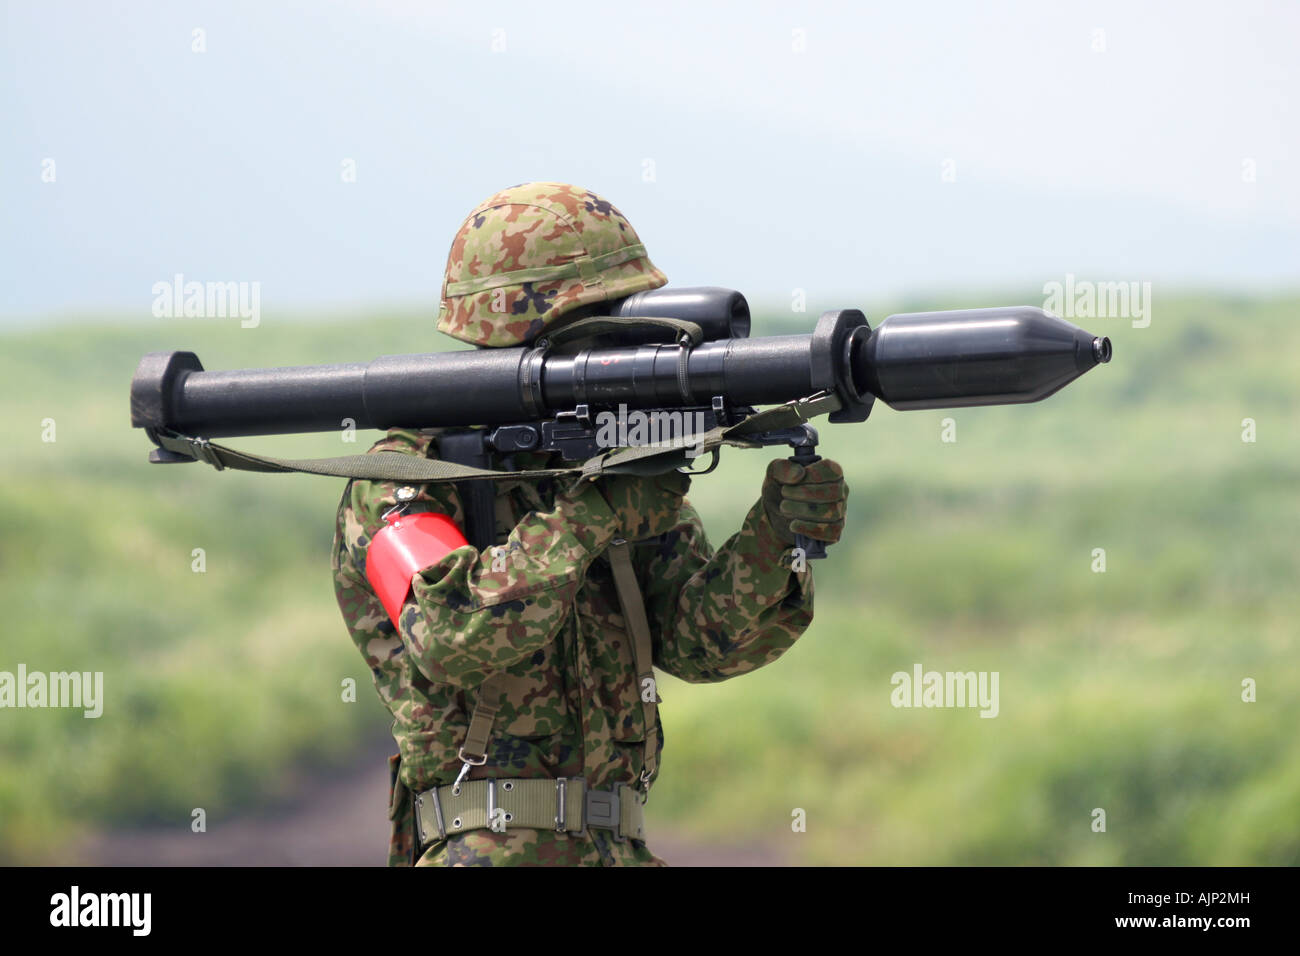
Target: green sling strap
408,469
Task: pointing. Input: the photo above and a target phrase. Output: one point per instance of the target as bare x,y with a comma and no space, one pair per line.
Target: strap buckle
561,804
602,811
432,794
202,451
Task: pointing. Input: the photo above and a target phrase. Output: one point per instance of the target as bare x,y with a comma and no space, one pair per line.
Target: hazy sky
853,150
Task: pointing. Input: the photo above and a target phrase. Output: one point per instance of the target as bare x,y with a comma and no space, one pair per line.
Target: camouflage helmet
532,253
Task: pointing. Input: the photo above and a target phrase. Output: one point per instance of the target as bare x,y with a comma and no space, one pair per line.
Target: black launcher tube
915,361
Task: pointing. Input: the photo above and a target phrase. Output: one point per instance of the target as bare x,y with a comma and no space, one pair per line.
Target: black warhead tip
1101,350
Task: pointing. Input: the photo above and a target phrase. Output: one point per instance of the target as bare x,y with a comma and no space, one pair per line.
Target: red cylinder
410,543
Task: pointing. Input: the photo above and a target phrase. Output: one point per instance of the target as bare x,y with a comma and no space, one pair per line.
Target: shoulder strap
633,605
410,469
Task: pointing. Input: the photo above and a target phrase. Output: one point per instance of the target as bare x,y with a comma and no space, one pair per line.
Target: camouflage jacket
550,616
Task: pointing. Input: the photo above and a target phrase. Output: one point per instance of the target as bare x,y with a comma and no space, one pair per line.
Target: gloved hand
642,507
805,499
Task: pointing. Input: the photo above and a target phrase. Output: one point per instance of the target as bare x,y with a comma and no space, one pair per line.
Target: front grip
805,453
803,439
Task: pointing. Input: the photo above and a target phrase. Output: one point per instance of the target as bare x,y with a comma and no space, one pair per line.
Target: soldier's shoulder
409,441
365,497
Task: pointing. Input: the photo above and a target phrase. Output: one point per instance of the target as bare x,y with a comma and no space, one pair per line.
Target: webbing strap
586,267
633,605
392,466
474,750
563,806
398,467
597,324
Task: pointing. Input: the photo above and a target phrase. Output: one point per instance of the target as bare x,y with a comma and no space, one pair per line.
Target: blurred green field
1118,690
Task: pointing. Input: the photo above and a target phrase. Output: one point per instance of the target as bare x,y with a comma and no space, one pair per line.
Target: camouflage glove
642,507
808,500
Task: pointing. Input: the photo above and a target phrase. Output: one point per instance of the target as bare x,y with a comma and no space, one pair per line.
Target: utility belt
564,805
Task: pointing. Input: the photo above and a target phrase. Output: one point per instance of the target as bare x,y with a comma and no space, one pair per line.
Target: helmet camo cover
532,253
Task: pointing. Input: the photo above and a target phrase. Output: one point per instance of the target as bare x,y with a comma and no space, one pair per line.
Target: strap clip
470,761
202,450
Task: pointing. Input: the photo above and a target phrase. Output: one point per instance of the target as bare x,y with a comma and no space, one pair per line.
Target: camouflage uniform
542,605
552,619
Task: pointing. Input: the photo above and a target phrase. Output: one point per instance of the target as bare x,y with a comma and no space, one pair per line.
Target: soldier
523,699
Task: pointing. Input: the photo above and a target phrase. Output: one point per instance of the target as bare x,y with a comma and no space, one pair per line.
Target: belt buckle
561,794
441,832
603,812
627,791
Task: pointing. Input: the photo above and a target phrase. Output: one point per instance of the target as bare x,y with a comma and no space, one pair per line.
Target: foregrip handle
804,454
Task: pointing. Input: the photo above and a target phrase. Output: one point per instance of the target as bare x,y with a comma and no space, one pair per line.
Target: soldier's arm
717,615
474,612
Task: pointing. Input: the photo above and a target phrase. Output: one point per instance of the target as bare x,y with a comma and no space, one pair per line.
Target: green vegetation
1119,690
